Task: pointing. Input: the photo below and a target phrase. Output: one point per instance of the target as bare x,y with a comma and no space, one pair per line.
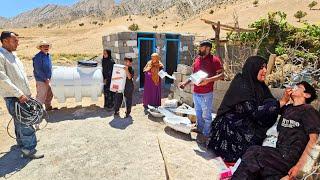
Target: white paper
197,77
164,74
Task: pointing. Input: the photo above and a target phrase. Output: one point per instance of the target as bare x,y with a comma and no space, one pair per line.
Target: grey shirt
13,79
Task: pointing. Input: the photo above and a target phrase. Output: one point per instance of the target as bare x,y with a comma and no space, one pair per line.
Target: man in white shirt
14,87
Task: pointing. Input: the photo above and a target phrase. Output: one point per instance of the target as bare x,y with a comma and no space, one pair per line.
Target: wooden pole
272,59
216,29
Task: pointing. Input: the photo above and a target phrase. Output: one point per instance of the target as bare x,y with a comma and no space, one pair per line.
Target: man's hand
182,85
47,81
293,172
23,99
204,82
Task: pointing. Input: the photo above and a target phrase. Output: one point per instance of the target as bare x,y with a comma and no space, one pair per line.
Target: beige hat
43,43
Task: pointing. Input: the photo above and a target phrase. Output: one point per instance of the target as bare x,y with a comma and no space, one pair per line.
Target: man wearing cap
42,70
203,93
14,87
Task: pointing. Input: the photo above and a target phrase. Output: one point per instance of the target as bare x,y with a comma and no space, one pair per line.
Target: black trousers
119,99
262,163
108,97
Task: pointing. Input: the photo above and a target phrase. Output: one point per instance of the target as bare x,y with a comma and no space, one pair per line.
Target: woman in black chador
247,111
107,68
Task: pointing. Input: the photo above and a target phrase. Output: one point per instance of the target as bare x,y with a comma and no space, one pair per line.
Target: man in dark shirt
298,127
128,90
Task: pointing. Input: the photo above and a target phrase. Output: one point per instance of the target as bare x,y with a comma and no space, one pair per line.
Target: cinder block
188,88
173,88
124,35
132,55
115,50
178,76
186,98
132,43
184,77
184,69
114,37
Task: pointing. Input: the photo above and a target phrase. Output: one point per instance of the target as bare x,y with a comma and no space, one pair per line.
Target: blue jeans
203,108
26,135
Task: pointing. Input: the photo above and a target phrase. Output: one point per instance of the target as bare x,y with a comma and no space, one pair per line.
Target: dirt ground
87,142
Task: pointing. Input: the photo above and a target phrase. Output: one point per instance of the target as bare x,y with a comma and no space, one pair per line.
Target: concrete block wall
124,44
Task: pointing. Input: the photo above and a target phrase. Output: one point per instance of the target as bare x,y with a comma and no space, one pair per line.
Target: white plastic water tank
76,82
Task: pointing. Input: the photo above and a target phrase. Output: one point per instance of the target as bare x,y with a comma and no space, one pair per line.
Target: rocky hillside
3,21
98,8
108,9
185,8
43,15
54,13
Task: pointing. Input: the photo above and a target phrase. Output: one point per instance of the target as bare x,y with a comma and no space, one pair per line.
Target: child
298,127
128,90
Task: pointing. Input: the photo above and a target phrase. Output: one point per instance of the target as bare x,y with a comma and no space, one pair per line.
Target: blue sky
10,8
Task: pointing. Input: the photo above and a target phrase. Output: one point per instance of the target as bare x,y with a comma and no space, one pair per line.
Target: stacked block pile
182,74
122,44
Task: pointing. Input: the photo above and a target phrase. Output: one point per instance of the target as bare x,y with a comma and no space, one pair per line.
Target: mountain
98,8
42,15
108,8
54,13
185,8
3,21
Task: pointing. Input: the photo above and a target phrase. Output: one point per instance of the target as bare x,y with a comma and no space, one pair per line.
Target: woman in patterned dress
247,111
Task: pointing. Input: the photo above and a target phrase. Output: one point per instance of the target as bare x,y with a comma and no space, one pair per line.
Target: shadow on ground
176,134
155,119
121,123
77,113
12,162
206,154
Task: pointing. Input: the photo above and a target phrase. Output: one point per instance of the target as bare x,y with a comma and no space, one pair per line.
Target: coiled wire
29,114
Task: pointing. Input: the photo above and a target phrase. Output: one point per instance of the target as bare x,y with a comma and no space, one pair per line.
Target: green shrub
133,27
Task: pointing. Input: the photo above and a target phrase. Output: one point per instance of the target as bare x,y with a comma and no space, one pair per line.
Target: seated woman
247,111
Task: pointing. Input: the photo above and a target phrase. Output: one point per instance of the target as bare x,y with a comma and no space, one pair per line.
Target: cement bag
178,123
118,80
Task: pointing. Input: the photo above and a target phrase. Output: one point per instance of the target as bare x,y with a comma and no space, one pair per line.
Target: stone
184,78
184,69
186,98
188,88
178,76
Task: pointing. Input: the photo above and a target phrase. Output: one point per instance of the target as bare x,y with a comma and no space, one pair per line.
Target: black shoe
127,115
116,113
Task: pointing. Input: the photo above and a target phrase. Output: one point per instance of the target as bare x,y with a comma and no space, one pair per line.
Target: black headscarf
107,66
246,87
